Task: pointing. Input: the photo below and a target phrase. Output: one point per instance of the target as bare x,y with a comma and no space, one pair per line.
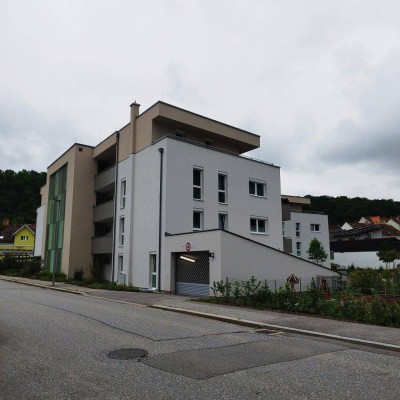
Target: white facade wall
182,157
362,259
40,217
306,235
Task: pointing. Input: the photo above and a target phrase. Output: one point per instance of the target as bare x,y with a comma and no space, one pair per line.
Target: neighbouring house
358,242
169,202
299,227
17,239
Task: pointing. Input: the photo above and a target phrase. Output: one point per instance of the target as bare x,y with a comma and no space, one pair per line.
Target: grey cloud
30,139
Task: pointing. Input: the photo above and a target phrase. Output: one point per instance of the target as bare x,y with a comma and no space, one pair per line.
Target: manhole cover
127,354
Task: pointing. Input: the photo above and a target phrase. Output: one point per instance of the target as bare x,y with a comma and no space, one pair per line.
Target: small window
197,184
315,227
257,189
121,231
258,225
123,193
24,238
121,263
222,186
298,249
197,220
298,229
223,221
180,134
283,229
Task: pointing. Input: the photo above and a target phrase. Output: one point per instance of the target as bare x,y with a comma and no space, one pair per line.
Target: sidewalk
355,332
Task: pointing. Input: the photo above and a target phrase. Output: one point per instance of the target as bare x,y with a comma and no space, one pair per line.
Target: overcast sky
319,81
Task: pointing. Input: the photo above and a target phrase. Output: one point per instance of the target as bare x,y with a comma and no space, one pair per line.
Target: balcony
102,245
104,212
105,180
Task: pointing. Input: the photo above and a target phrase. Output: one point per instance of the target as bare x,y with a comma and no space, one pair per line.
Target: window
197,184
121,231
298,249
257,189
153,271
222,188
197,220
315,227
298,229
258,225
180,134
121,263
209,142
223,221
123,193
24,238
283,229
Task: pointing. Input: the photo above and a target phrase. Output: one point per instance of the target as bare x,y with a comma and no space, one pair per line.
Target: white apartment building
167,203
301,227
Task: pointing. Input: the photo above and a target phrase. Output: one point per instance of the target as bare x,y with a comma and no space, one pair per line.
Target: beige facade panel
105,146
126,142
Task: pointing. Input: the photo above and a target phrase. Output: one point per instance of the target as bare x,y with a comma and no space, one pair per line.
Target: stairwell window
123,193
197,184
121,231
223,221
298,229
315,228
258,189
258,225
298,249
222,188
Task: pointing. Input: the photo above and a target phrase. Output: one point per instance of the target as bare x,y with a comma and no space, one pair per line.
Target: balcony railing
104,212
105,180
102,245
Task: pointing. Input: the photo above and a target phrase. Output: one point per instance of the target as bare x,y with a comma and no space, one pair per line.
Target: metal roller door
192,274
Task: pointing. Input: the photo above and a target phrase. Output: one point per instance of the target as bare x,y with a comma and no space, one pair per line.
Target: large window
315,227
122,231
197,220
222,188
258,225
298,229
223,221
197,184
257,188
123,193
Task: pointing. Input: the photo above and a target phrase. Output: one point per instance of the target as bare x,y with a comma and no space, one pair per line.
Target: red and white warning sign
188,246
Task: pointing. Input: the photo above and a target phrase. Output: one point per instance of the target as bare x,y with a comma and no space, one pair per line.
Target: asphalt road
56,345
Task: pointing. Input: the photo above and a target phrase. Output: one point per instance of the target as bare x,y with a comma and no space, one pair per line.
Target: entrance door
153,271
192,274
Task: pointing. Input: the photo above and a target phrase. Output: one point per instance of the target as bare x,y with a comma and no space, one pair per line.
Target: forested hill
344,209
20,195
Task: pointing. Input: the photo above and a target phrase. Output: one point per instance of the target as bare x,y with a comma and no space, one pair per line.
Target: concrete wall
362,259
39,238
306,235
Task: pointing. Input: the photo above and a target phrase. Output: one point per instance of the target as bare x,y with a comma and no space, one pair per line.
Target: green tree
388,254
316,251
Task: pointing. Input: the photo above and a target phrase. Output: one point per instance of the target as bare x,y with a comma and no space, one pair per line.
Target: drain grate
127,354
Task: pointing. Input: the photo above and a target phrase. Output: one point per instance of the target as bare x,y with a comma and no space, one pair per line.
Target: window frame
258,184
223,191
121,231
198,187
314,226
201,220
123,193
298,249
24,238
298,229
121,263
225,220
257,231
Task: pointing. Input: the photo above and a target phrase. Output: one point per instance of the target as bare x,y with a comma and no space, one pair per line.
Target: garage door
192,274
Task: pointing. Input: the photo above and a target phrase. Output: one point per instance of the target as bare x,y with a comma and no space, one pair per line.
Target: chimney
6,223
134,111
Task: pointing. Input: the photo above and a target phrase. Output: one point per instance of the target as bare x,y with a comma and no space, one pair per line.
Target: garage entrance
192,274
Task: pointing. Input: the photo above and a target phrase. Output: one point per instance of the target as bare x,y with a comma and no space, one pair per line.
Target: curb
254,324
78,292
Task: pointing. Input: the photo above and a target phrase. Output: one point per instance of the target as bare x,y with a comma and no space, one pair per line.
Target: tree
388,254
316,251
